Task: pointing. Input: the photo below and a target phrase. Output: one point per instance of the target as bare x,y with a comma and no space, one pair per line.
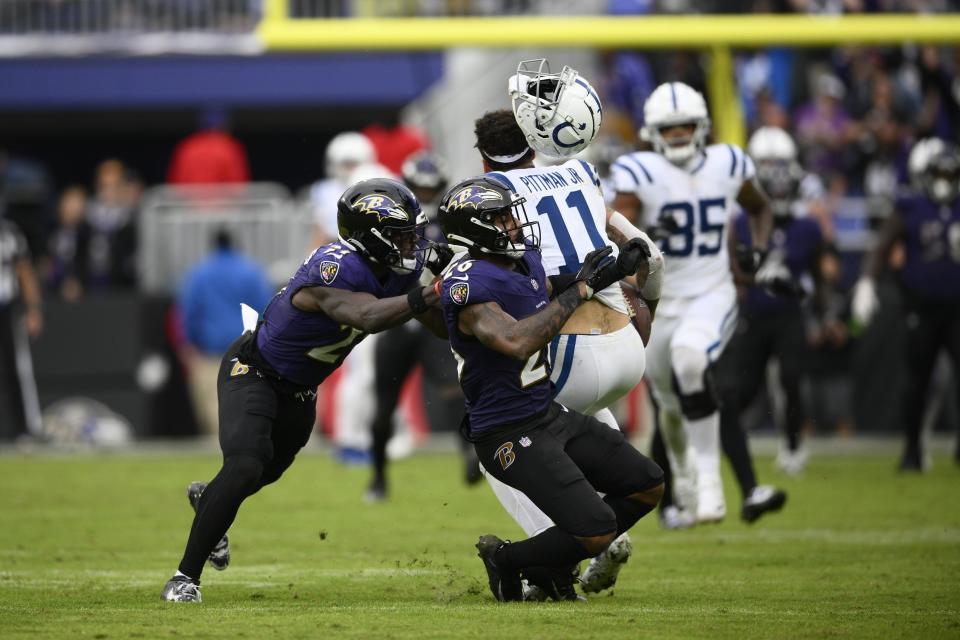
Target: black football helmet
481,213
382,220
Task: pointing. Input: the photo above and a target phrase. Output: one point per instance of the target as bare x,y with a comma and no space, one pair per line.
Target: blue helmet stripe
673,96
594,95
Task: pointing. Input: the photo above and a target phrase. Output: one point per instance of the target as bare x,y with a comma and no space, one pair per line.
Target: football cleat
219,558
793,462
181,589
711,506
673,518
542,583
505,585
914,463
376,492
761,500
603,570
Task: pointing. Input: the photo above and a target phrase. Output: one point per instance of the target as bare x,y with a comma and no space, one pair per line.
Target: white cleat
673,519
711,506
181,589
793,462
603,570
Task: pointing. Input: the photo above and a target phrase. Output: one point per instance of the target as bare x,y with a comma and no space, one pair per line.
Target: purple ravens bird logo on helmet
383,207
473,196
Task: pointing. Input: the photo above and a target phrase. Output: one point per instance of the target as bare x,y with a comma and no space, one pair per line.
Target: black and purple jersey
798,243
306,347
931,234
498,389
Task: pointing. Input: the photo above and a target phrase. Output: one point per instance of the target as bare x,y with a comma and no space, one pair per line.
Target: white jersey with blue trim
700,197
567,202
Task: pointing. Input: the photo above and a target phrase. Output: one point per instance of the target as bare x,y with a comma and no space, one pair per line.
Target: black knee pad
702,403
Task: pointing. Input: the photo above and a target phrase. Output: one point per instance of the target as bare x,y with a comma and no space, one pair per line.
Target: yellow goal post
716,35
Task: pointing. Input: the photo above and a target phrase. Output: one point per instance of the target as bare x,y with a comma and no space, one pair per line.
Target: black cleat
553,583
763,499
505,585
913,463
219,558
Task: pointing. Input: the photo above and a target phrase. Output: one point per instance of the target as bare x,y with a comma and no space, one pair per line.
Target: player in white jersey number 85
686,190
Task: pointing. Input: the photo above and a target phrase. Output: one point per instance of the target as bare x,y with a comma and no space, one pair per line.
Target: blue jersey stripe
628,170
586,167
642,168
554,345
567,362
500,176
733,160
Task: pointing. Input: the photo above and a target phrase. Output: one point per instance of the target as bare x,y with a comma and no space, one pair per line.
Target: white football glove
865,301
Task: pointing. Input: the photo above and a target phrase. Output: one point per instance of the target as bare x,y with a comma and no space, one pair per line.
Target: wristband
415,299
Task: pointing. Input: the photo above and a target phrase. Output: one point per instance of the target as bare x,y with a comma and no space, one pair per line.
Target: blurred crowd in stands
853,111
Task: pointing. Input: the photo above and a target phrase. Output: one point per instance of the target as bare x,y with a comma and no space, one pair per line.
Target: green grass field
86,544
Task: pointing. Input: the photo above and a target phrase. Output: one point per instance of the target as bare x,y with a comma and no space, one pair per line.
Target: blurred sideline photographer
19,408
210,306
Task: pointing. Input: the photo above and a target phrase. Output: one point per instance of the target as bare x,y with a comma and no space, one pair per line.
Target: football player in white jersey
599,355
687,190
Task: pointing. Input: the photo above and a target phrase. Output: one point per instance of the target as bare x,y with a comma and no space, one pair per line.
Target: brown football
641,313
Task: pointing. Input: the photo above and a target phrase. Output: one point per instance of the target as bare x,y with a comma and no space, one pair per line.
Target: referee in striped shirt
20,317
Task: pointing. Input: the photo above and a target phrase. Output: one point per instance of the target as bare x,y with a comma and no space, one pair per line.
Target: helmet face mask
482,214
382,220
560,114
942,177
780,180
674,104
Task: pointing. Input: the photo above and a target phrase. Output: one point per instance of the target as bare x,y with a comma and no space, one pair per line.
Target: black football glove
632,255
665,227
775,278
749,259
595,269
438,256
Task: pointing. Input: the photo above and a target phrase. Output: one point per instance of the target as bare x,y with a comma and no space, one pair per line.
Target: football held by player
598,355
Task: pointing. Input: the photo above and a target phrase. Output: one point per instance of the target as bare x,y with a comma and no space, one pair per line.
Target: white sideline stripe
281,577
832,536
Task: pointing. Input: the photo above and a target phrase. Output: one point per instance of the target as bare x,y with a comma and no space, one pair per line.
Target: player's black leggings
263,424
397,353
931,325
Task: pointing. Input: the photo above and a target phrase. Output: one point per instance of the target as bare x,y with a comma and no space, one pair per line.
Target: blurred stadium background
102,99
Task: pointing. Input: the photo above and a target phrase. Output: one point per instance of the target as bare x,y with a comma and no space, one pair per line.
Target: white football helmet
771,143
346,152
559,114
778,171
920,156
670,104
